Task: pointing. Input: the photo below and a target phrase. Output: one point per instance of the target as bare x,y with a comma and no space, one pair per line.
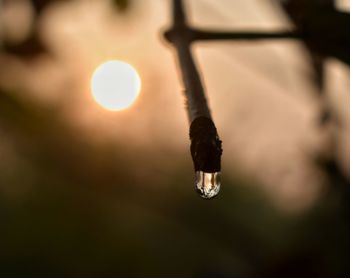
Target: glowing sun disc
115,85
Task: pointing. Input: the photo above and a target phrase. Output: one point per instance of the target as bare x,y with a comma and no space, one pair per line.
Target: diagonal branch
180,35
179,16
205,143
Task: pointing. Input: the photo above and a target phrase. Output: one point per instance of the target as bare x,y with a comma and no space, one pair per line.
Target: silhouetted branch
181,37
179,16
320,41
196,101
205,143
247,35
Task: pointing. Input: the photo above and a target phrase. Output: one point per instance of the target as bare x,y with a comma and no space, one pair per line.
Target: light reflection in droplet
207,184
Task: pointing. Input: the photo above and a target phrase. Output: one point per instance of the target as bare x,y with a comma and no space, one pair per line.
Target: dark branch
249,35
196,102
205,143
181,37
179,15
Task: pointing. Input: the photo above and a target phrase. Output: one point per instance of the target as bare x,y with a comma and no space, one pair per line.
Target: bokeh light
115,85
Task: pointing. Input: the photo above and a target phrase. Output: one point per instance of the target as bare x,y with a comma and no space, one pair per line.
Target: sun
115,85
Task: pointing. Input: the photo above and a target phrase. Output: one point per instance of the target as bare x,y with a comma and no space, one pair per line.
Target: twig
246,35
181,37
205,144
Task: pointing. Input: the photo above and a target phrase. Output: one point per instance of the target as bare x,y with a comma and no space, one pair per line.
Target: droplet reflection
207,184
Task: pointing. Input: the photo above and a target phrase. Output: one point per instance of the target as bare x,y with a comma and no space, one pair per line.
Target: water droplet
207,184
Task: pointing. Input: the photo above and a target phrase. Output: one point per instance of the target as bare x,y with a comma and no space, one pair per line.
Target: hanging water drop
207,184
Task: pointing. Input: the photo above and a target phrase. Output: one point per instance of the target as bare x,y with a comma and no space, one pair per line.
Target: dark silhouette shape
33,45
205,143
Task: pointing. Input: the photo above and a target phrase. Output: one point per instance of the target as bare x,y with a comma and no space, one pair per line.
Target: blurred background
86,192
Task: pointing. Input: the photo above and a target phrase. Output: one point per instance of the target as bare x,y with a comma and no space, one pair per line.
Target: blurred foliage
121,5
33,45
29,48
84,213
